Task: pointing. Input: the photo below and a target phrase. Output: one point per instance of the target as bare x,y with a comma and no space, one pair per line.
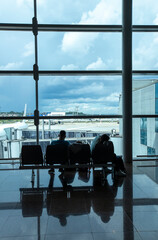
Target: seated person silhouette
60,141
62,136
103,151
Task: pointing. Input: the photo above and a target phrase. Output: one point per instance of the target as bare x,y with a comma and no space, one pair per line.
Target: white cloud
114,97
99,64
69,67
10,66
86,107
92,89
144,12
145,54
78,42
21,3
105,12
29,49
156,20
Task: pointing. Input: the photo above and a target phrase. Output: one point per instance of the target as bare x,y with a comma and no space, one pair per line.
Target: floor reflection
65,202
78,205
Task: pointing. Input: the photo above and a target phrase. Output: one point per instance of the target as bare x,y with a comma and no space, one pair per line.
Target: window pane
150,151
16,11
89,95
15,92
144,100
80,11
17,49
144,137
80,51
145,12
145,48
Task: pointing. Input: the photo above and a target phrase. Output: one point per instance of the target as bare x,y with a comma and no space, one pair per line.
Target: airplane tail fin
24,115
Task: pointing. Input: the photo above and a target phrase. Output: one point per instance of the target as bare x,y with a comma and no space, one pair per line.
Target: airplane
16,126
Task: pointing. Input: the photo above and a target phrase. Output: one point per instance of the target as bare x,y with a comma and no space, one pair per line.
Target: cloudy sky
71,51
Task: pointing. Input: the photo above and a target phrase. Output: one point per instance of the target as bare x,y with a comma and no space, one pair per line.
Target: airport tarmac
80,126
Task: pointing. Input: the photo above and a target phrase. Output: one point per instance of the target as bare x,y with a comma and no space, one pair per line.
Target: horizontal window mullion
145,28
60,73
62,27
61,117
78,117
74,72
76,27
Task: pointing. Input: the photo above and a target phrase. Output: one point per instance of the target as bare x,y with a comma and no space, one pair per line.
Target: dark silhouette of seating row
61,156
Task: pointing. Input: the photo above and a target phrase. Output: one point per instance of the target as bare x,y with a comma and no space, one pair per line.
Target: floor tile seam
113,231
68,233
140,212
140,189
93,236
134,227
149,231
47,224
18,236
139,235
4,223
137,184
91,227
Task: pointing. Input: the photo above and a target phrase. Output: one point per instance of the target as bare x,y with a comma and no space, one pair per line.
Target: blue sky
71,51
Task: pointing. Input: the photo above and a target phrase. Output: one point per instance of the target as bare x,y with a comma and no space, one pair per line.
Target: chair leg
104,174
33,177
113,173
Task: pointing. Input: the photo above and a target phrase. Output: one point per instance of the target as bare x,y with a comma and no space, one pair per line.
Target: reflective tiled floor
79,205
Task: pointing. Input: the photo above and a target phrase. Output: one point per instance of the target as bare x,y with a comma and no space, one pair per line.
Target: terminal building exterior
145,129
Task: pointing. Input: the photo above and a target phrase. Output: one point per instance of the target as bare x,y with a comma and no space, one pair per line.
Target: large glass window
94,94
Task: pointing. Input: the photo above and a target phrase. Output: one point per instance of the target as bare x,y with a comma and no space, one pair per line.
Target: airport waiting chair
100,155
79,153
57,154
31,155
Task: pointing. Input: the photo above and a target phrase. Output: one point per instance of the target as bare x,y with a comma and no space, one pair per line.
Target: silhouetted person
61,141
103,150
62,136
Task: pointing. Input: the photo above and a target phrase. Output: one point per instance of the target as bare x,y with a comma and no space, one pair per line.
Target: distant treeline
75,113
